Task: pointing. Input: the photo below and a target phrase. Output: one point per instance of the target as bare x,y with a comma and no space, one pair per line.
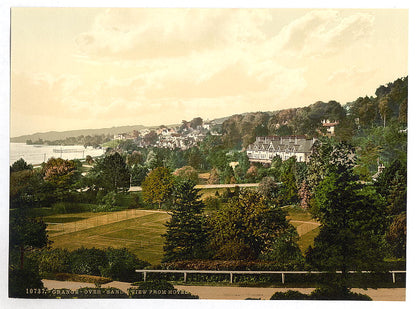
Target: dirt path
231,292
70,227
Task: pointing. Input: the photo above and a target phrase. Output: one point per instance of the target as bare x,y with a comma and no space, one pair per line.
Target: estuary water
37,154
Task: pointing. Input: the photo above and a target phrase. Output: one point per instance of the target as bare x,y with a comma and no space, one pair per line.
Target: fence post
394,276
144,276
231,277
283,278
184,277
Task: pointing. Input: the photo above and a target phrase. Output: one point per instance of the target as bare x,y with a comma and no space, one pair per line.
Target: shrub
121,265
212,202
289,295
54,261
77,278
87,261
70,207
336,293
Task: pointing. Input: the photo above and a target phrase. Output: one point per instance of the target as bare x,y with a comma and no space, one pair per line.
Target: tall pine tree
185,238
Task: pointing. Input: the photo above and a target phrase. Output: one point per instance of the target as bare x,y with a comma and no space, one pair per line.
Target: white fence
248,272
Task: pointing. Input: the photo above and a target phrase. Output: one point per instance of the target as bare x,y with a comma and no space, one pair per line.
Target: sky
82,68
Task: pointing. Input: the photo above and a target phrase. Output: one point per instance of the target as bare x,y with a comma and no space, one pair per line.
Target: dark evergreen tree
20,165
185,238
352,217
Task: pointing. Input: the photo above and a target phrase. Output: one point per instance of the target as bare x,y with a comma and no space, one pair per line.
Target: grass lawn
298,214
306,240
141,236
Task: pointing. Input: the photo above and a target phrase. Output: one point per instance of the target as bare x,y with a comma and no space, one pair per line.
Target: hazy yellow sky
75,68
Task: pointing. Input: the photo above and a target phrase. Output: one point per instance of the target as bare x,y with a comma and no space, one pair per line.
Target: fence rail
249,272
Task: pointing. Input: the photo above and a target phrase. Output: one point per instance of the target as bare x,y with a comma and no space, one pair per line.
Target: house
330,126
265,148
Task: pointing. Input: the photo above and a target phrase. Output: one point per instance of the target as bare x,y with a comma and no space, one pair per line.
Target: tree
157,186
304,195
196,122
396,236
289,189
187,173
89,159
186,237
26,233
284,249
26,189
60,172
20,165
135,158
245,227
384,108
112,173
61,176
392,185
153,160
150,138
352,217
268,188
214,176
138,174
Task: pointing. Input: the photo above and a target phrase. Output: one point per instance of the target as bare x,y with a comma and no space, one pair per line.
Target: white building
265,148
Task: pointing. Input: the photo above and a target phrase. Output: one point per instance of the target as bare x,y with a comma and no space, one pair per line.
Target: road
234,292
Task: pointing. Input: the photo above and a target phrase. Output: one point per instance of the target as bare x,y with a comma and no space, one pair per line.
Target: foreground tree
352,217
157,186
185,238
26,233
26,189
245,227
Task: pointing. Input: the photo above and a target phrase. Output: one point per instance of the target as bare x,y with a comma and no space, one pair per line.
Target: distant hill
54,135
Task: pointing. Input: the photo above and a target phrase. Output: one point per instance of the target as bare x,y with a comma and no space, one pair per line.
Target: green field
141,236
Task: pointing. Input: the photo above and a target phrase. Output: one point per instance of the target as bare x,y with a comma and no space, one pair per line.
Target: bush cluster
117,264
231,265
324,293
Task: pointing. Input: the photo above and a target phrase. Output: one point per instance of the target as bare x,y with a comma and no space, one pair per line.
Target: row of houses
265,148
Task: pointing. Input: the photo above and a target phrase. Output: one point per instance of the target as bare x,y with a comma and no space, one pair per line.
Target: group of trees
93,141
246,228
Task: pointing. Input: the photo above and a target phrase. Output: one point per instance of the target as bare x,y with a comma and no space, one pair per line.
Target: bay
37,154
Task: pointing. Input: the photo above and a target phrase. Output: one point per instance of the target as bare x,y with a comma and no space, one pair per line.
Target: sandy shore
231,292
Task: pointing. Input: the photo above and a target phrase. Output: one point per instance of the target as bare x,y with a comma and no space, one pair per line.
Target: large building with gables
265,148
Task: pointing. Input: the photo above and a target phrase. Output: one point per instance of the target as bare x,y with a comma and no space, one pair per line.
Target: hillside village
181,137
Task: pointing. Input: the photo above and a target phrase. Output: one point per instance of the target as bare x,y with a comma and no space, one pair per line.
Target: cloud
164,33
44,94
351,74
322,33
